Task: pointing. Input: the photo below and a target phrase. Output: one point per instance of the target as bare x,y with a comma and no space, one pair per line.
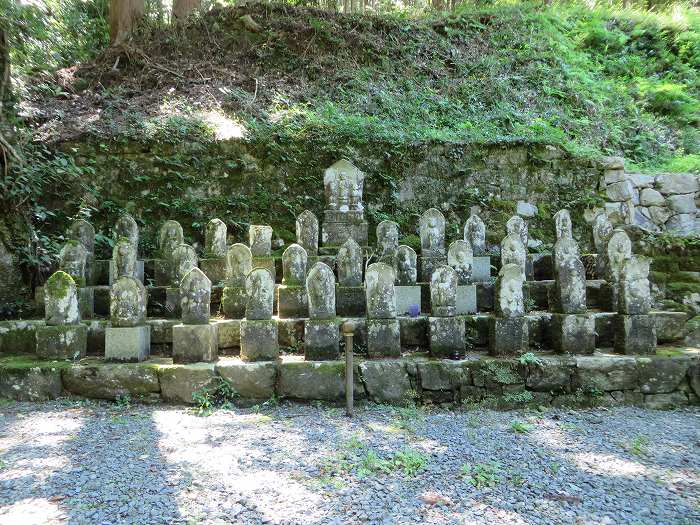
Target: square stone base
336,233
635,334
447,337
573,333
466,299
259,340
268,263
508,336
407,296
350,301
321,340
214,268
132,344
292,302
112,271
481,269
233,301
427,265
383,338
61,342
195,343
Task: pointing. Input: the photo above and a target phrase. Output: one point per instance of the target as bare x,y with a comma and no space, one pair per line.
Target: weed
482,474
123,401
410,461
521,397
555,467
220,394
638,445
528,358
520,427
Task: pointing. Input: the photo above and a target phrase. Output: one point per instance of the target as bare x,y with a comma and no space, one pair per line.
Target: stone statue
61,300
635,293
73,260
344,185
215,239
513,252
239,263
475,234
443,292
307,232
380,292
294,266
387,241
195,297
83,232
169,238
320,285
260,289
432,233
517,225
124,257
619,250
126,227
184,259
570,277
602,231
260,240
349,264
509,292
406,266
562,224
127,304
461,258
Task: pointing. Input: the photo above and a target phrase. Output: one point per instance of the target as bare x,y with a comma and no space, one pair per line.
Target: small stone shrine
350,294
292,299
307,232
387,241
475,235
126,227
344,217
84,232
602,231
508,328
170,236
513,252
461,259
239,263
635,329
321,335
408,292
195,339
213,264
258,329
447,332
260,242
184,259
516,225
128,338
619,249
73,261
383,332
432,241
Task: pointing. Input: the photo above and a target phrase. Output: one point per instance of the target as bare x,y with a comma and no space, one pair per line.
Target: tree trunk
123,16
4,71
182,8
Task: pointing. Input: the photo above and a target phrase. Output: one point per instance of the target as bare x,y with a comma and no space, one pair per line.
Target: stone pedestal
573,333
635,334
259,340
321,340
427,265
481,269
86,302
195,343
61,342
268,263
130,344
383,338
508,336
608,296
112,271
172,303
214,268
407,296
350,301
447,337
339,226
292,302
233,301
466,299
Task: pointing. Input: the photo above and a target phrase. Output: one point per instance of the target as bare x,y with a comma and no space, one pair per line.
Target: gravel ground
81,462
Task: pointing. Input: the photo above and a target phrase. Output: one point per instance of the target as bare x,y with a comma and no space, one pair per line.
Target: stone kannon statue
443,292
602,231
320,286
126,227
169,238
387,241
260,289
513,252
475,234
619,250
195,297
510,301
184,259
73,261
344,185
635,292
406,266
461,258
380,292
516,224
432,233
307,232
127,306
562,225
124,257
260,240
349,264
215,239
294,266
570,277
83,232
239,263
61,300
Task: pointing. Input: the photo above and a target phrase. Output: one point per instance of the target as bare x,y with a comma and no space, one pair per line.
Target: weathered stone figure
260,290
562,225
383,331
260,240
513,252
73,260
195,297
124,259
83,232
635,329
602,231
443,292
126,227
432,233
406,266
294,265
387,241
635,293
509,291
447,332
195,339
461,258
516,224
570,278
258,329
475,234
320,285
344,214
307,232
169,238
215,239
61,300
508,330
127,338
63,337
184,259
618,251
239,261
349,264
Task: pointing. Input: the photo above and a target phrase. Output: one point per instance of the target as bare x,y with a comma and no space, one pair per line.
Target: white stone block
405,297
466,299
132,344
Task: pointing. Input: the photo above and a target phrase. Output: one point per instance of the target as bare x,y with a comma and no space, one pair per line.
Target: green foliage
528,358
482,475
520,398
520,427
637,445
220,394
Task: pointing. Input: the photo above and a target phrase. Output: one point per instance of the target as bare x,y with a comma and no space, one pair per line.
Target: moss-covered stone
324,380
111,381
661,375
387,381
179,382
30,383
249,380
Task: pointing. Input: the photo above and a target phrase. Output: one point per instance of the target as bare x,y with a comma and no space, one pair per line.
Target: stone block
407,296
172,303
321,340
668,183
179,382
443,375
552,374
682,203
228,332
481,269
651,197
525,209
233,300
641,180
665,401
540,294
19,336
662,375
61,342
195,343
447,337
86,302
214,268
383,338
508,336
485,296
427,265
573,333
101,299
162,330
140,274
100,272
111,381
670,326
350,301
268,263
635,334
414,331
542,267
387,381
292,302
30,383
336,233
259,340
466,299
310,380
249,380
96,336
129,344
604,329
290,334
606,373
683,224
477,330
620,191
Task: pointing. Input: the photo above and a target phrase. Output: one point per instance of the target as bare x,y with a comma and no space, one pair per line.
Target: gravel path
81,462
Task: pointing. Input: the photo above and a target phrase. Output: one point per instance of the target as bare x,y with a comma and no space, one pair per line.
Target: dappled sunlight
34,511
224,127
608,465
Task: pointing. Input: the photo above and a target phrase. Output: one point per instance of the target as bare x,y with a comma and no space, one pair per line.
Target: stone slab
383,338
249,380
310,380
572,333
336,233
414,331
259,340
140,273
111,381
292,302
268,263
466,299
481,269
30,383
228,332
321,340
179,382
129,344
350,301
61,342
635,334
214,268
195,343
427,265
233,300
447,337
19,336
508,336
407,296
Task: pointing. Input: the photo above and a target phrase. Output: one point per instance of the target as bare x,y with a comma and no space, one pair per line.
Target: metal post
348,330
